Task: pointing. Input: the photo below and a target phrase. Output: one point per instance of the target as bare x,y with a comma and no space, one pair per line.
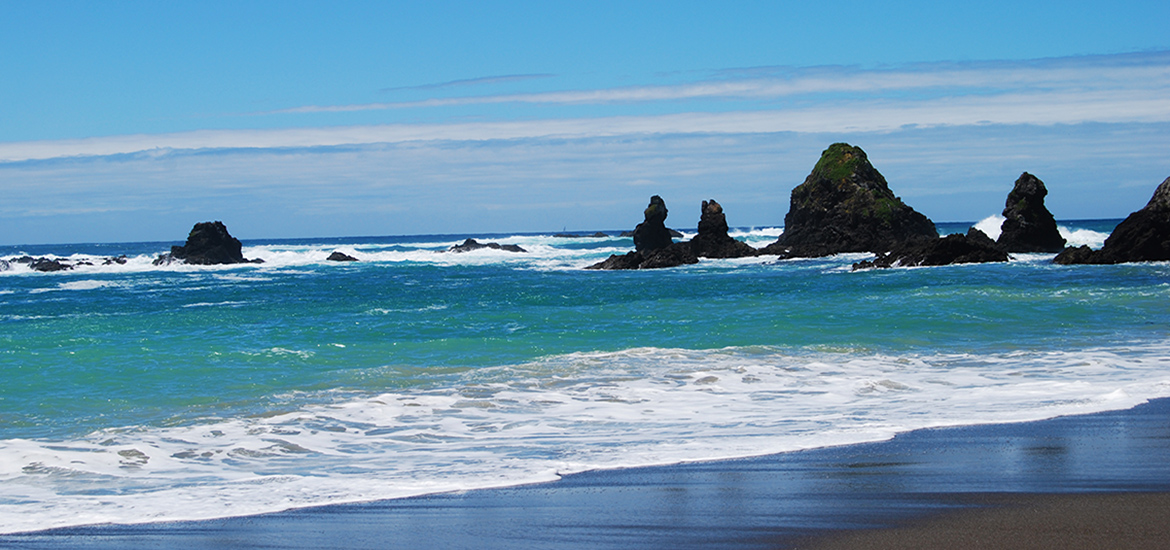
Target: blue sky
131,121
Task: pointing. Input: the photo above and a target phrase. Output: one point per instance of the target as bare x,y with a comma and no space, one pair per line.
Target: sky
131,121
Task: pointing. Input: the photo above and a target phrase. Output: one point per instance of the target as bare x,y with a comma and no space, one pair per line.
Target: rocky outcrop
974,247
652,233
653,247
208,243
712,240
672,256
46,265
1143,236
597,235
471,244
845,205
338,256
1028,226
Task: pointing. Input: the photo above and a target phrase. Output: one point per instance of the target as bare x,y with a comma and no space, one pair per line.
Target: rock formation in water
845,205
712,240
209,243
653,247
1143,236
471,244
1028,226
338,256
974,247
652,233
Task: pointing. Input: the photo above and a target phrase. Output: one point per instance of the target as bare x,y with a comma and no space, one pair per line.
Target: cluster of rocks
471,244
597,235
208,243
48,265
846,205
654,246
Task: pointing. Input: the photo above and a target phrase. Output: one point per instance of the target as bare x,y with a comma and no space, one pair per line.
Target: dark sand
1100,481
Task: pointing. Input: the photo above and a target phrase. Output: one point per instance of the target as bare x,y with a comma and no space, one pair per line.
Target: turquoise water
140,393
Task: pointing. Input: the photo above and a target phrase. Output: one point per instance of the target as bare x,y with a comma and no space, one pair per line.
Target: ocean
138,393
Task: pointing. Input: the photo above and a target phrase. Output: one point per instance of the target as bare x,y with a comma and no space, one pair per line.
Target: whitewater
139,393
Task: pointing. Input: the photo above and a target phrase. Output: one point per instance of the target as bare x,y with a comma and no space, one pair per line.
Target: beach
1068,482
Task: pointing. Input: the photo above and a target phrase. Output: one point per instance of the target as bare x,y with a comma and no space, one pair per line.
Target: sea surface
138,393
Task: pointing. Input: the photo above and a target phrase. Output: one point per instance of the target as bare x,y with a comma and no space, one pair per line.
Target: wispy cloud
1144,71
466,82
1044,107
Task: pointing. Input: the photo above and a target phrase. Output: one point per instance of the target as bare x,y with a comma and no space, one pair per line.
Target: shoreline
919,479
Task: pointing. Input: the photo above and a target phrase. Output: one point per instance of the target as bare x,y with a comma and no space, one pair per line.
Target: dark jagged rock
471,244
1028,226
981,238
672,256
845,205
653,247
120,260
209,243
340,257
1075,255
597,235
48,265
974,247
4,266
652,233
712,240
1143,236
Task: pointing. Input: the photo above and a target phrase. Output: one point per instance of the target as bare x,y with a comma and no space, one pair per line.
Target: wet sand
1019,522
1049,484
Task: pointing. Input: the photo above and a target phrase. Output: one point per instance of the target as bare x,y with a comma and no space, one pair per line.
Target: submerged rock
1028,226
596,235
712,240
337,256
845,205
974,247
208,243
1143,236
48,265
471,244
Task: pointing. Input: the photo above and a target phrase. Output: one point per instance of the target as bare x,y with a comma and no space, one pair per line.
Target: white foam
526,423
1080,237
991,226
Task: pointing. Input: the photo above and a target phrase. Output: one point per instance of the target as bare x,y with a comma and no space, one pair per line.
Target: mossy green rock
845,205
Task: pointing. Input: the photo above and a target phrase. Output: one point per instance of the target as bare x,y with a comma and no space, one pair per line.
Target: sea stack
712,241
653,247
209,243
1143,236
652,233
1028,225
845,205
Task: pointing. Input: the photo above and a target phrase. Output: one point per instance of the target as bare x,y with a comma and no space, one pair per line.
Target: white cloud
1042,107
1151,71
